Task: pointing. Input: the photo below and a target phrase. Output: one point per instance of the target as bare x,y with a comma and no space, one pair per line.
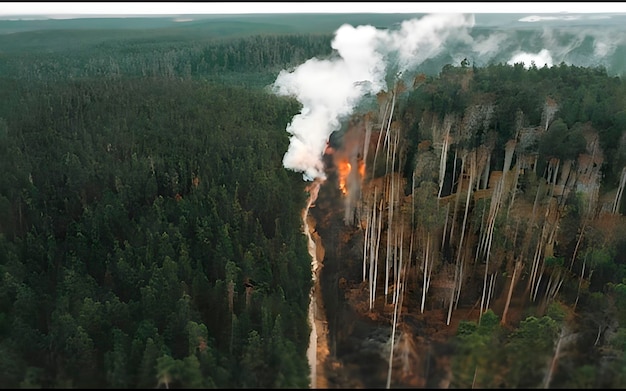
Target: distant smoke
528,59
330,89
581,46
489,45
536,18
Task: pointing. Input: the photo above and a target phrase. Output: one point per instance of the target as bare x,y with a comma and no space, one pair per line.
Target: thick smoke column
330,89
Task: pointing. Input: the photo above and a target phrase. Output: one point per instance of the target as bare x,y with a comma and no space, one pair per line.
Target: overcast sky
178,8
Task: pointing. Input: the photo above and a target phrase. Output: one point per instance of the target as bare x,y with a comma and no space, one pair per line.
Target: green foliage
561,142
556,311
588,102
583,378
530,347
554,261
617,292
132,203
142,186
617,368
477,352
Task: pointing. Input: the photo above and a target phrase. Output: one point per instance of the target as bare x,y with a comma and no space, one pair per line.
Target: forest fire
344,169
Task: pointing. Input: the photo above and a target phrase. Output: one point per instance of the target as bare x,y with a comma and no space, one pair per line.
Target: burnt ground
357,340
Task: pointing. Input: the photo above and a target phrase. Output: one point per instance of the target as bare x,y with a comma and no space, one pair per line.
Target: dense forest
488,228
150,236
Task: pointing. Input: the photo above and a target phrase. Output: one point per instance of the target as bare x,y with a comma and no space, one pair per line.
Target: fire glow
344,168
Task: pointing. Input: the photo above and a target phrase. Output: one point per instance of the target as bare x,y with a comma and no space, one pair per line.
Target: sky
181,8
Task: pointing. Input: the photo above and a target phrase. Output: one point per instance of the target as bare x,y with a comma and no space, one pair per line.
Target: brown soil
345,323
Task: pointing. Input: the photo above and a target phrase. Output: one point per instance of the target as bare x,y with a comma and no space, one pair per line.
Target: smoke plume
365,58
543,58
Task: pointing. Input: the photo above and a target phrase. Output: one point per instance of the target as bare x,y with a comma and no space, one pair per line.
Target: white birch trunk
620,191
460,247
516,268
444,155
426,271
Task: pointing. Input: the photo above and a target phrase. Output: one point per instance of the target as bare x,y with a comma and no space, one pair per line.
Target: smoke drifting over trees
488,226
330,89
366,60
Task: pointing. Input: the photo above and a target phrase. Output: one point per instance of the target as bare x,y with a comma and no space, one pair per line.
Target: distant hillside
255,23
582,40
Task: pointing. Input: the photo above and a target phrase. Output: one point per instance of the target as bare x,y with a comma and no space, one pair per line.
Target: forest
150,236
489,228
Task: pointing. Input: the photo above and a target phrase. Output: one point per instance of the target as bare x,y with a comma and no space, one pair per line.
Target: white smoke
421,39
564,43
528,59
606,42
330,89
603,49
366,59
489,45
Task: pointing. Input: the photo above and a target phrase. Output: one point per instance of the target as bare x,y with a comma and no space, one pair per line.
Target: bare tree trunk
382,122
493,213
474,378
445,226
460,247
549,110
620,191
401,257
580,237
366,239
540,255
580,283
391,202
451,304
492,286
554,176
457,194
552,368
508,157
444,154
458,289
380,227
516,269
426,271
539,186
368,136
373,252
481,237
486,173
535,277
533,282
514,189
399,294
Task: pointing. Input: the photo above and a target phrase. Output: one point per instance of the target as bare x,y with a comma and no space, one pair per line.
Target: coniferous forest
150,236
149,233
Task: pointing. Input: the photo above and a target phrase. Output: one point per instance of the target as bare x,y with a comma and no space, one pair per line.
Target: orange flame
344,168
344,171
